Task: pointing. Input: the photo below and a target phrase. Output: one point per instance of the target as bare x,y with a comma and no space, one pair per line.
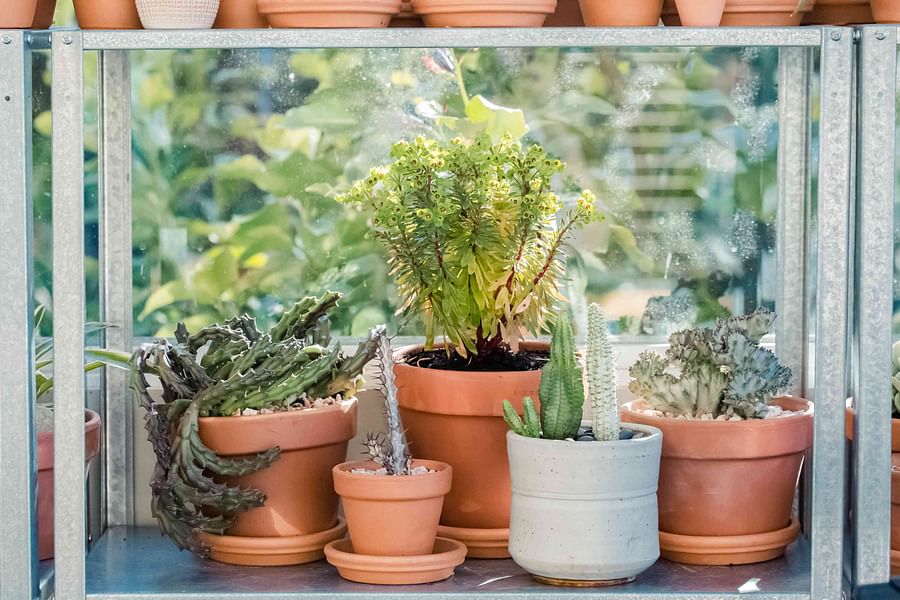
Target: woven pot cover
177,14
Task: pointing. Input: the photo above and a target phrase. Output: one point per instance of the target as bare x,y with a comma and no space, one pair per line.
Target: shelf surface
457,37
140,564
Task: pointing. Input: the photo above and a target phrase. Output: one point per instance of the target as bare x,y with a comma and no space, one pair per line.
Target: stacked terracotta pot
27,14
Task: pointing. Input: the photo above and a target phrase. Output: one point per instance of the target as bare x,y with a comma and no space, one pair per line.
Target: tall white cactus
601,374
397,450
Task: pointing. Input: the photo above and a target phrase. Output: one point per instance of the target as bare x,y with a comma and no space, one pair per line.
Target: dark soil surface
528,360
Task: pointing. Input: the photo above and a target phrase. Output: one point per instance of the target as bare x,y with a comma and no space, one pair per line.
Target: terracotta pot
17,14
329,13
726,488
670,16
456,417
575,503
300,497
895,429
764,13
616,13
92,431
393,515
700,13
568,14
886,11
839,12
407,16
184,14
484,13
43,15
107,14
239,14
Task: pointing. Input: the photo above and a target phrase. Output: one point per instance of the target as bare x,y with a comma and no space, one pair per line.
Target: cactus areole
208,456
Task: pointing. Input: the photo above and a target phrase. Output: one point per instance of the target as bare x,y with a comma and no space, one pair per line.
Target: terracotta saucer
895,563
727,549
272,551
482,543
396,570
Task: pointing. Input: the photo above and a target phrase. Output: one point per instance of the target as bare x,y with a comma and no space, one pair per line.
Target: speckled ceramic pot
585,513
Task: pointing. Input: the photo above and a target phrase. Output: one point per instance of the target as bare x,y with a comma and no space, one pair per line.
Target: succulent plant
718,370
562,389
242,368
391,452
895,379
472,237
600,365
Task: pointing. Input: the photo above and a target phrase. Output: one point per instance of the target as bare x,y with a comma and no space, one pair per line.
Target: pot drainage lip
396,570
482,543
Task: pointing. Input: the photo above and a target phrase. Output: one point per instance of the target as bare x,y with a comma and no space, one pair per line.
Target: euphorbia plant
472,237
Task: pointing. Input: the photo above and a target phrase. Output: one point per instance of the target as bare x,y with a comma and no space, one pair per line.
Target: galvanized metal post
874,301
18,545
833,236
68,312
115,280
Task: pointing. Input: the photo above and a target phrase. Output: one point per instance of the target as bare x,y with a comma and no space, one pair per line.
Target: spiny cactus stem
601,375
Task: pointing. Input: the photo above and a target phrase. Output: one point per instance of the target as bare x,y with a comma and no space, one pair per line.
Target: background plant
293,364
715,371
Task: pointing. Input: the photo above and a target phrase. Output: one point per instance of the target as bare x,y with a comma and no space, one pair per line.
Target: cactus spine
601,377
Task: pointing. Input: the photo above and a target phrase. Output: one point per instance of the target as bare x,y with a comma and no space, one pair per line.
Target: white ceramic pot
177,14
585,511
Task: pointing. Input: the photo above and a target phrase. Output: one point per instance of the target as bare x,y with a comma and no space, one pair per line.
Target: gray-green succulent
242,368
720,370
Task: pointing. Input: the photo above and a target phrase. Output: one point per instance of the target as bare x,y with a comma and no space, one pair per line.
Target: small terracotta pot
43,15
456,417
729,479
393,515
107,14
407,16
764,13
568,14
670,16
92,431
484,13
617,13
839,12
300,497
17,14
239,14
886,11
700,13
329,13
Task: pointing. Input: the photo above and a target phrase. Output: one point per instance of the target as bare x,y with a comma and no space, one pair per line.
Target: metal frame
833,263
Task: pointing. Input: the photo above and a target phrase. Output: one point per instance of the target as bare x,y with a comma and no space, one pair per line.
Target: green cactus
600,364
243,368
531,426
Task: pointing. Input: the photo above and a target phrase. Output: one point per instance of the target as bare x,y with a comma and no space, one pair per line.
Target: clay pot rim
753,6
343,406
401,353
267,545
91,424
492,5
45,459
566,445
392,487
445,551
328,6
746,424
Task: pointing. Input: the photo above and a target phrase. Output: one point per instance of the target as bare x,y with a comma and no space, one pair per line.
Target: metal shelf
138,563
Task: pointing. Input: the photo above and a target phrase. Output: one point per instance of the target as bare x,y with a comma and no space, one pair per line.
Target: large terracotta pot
329,13
700,13
585,513
407,16
239,14
43,14
670,16
726,488
107,14
484,13
92,431
17,14
300,499
839,12
886,11
393,515
616,13
456,417
765,13
568,14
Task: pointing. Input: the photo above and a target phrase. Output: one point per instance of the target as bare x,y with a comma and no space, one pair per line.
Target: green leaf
496,120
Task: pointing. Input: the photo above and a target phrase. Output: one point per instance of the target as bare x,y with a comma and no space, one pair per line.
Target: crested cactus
716,371
243,368
391,453
600,364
